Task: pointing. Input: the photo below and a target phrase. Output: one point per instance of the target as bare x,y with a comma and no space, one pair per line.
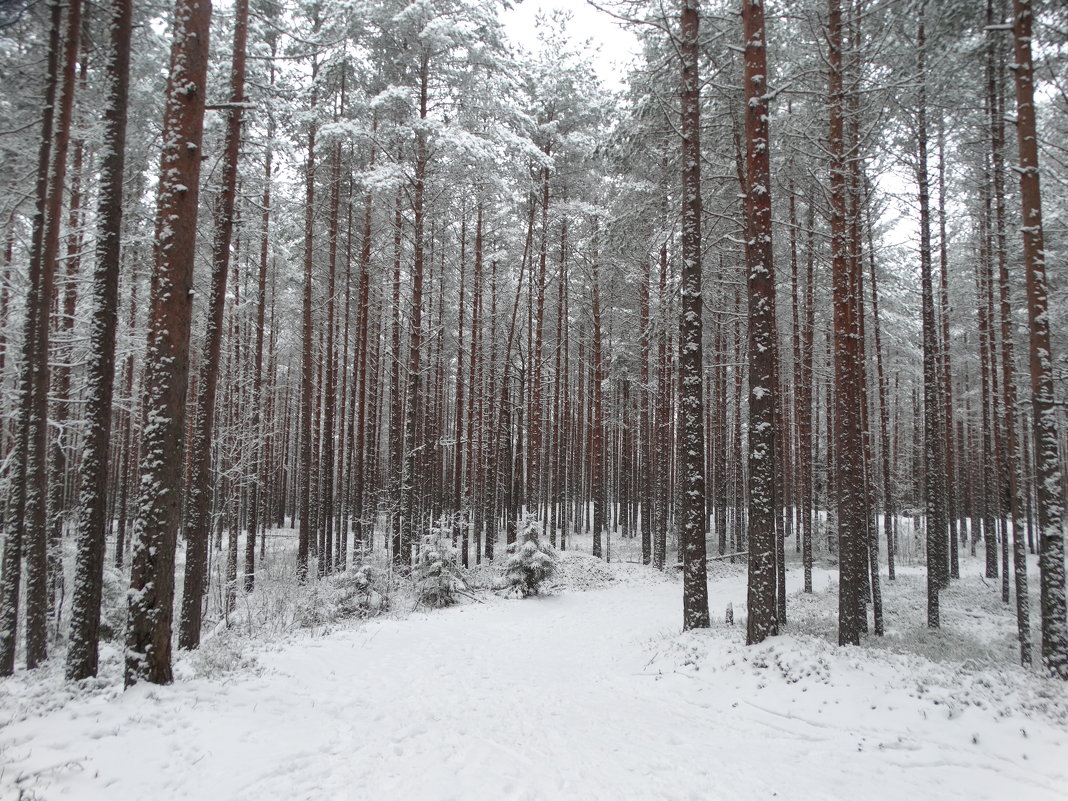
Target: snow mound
969,664
581,571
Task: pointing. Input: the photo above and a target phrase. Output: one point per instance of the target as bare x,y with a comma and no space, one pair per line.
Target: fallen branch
470,595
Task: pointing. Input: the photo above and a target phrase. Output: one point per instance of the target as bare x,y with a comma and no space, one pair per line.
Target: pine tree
151,599
691,382
82,652
29,428
762,622
198,493
848,445
1047,457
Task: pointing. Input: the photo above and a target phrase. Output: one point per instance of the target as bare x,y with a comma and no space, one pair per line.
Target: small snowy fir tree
360,591
532,561
437,571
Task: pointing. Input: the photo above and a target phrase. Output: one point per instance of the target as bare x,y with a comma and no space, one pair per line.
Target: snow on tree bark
198,498
403,558
307,364
362,384
28,428
1012,457
258,513
327,515
884,413
762,587
645,399
933,412
691,384
663,416
151,596
1047,456
91,531
41,562
597,483
848,445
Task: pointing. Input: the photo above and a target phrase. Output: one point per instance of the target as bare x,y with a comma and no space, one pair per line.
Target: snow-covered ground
575,695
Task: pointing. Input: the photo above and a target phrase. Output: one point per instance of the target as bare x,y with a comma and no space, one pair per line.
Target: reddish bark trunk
148,640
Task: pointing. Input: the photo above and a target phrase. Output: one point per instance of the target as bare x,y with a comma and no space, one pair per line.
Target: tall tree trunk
691,398
327,479
597,459
36,528
5,300
933,411
799,460
415,335
362,442
148,639
535,422
470,515
307,369
647,452
983,273
884,417
459,526
1012,457
945,364
663,416
848,446
91,531
128,456
199,493
60,465
806,424
257,509
762,621
1047,456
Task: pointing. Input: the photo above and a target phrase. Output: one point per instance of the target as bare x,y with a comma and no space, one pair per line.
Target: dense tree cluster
365,270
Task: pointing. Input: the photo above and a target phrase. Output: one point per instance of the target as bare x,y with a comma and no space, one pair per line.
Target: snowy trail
547,698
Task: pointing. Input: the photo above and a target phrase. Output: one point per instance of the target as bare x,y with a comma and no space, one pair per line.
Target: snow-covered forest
395,408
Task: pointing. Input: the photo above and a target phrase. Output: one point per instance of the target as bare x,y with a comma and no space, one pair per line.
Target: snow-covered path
548,698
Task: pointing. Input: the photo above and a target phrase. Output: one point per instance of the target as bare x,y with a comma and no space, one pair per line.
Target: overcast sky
616,44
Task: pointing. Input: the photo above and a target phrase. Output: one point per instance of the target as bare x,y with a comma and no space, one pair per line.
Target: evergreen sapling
437,571
531,561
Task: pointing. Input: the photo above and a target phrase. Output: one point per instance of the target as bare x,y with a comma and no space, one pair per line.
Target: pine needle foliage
438,579
531,561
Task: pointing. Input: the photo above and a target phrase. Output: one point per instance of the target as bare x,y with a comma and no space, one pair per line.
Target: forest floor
588,692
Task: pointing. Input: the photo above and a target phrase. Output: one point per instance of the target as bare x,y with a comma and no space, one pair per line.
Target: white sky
617,45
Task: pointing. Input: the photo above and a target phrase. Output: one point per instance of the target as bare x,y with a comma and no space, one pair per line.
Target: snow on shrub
437,571
218,655
113,604
357,592
360,591
532,561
